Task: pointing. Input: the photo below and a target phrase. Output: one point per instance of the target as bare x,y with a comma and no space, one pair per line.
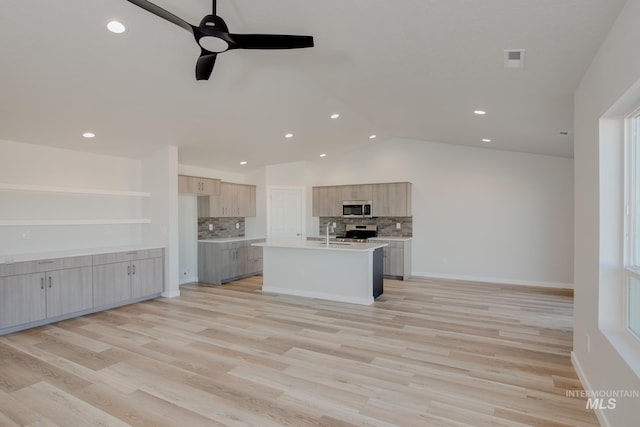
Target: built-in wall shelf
57,222
69,190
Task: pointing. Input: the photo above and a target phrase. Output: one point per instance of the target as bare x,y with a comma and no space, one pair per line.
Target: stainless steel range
358,233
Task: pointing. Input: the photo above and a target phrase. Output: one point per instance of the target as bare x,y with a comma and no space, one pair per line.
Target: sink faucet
328,225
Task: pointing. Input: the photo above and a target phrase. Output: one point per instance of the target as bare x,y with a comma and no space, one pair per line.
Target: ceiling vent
514,58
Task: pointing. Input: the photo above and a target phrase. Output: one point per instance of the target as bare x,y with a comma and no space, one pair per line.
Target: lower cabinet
221,262
141,275
34,293
397,258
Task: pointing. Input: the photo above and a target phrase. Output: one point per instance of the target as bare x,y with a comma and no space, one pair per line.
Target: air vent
514,58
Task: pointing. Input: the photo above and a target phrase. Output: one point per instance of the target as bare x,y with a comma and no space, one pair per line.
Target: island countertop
315,245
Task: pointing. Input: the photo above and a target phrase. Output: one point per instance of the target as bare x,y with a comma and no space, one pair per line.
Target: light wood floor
425,354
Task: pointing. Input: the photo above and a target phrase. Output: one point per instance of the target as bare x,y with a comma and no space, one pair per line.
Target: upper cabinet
235,201
389,199
326,202
362,192
392,199
198,185
220,199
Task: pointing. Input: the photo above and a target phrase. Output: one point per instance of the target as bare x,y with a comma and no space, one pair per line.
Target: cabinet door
392,199
146,277
111,283
22,299
363,192
246,201
228,204
395,258
325,202
69,291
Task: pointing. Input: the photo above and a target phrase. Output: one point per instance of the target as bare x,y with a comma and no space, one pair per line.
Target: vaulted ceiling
394,68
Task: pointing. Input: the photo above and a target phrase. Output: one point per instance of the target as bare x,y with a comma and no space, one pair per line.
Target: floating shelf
68,190
36,222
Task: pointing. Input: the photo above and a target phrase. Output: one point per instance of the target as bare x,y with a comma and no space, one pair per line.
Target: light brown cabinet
198,185
33,293
397,258
44,289
126,276
389,199
221,262
325,201
363,192
234,201
392,199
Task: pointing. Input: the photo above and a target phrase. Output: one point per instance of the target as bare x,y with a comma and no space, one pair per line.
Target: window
632,224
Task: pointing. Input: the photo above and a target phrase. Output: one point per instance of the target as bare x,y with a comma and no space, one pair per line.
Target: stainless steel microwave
357,209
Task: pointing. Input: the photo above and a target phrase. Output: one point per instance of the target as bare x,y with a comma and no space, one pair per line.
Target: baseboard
600,414
318,295
187,279
499,280
171,294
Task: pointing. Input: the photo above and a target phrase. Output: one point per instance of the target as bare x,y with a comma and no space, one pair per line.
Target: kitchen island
346,272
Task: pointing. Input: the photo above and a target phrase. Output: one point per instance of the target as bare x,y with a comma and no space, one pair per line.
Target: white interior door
286,219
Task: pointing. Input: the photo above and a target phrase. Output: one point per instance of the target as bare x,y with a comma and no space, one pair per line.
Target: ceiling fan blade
205,64
158,11
270,41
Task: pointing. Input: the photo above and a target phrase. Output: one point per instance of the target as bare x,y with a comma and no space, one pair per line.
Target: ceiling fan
213,37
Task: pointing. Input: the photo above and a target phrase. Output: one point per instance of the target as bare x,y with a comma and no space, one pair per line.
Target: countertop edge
10,259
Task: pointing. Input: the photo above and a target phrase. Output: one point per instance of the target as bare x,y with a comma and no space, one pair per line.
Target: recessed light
480,112
89,135
289,135
335,116
323,155
486,140
116,27
243,163
373,136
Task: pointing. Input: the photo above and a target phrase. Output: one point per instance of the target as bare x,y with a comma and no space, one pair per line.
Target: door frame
303,206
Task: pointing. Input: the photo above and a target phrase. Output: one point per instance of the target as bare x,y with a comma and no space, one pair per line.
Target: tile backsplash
222,228
386,225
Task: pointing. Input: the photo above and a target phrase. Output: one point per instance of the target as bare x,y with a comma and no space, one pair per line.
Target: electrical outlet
398,226
334,225
237,226
210,227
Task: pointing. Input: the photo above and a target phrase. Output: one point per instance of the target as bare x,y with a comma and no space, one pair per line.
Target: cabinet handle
42,283
49,282
45,262
131,253
128,270
134,269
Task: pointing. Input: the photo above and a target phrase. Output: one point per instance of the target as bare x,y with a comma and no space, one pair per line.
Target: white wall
55,167
611,82
478,214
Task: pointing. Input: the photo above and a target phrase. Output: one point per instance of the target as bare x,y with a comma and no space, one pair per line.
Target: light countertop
231,239
374,239
315,245
8,259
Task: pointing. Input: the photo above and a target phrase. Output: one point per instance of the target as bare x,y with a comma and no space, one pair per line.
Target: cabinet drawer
77,262
49,265
120,257
16,268
154,253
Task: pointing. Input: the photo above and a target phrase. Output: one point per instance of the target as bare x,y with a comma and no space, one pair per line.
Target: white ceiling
396,68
